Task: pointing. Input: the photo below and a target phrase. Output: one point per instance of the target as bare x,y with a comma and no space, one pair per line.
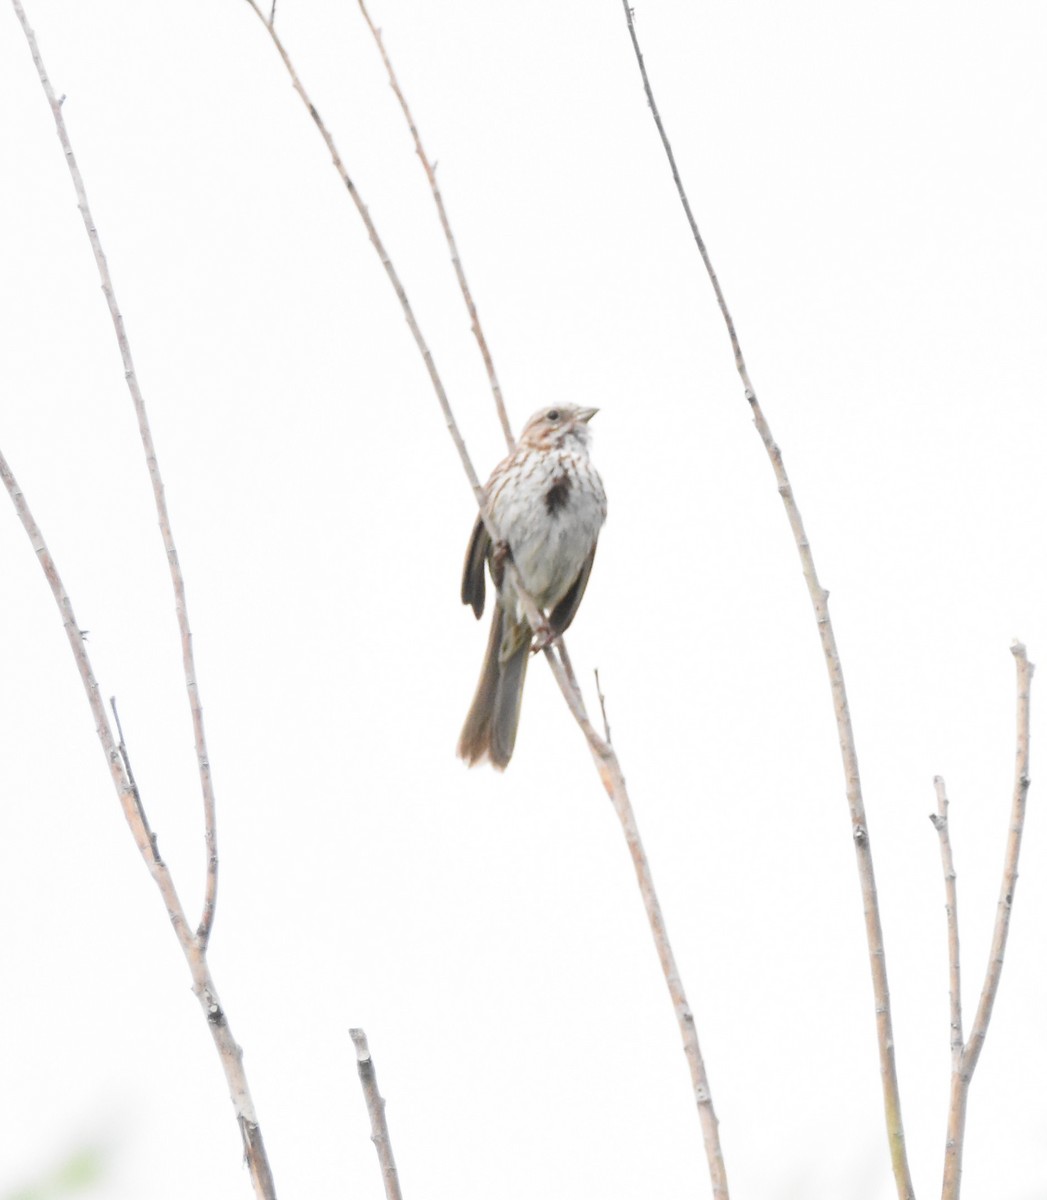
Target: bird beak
585,415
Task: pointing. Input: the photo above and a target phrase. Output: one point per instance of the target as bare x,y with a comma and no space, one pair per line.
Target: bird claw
544,636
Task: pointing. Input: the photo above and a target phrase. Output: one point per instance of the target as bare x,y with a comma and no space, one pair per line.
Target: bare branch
819,600
125,789
430,174
376,1111
127,793
376,241
964,1067
194,945
940,820
739,360
980,1025
613,780
188,665
603,754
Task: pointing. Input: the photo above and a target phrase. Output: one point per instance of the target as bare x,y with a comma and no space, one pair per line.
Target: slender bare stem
376,1112
979,1026
940,820
194,944
130,801
739,360
613,780
965,1063
531,610
603,754
430,174
603,706
376,241
819,600
125,788
188,665
859,824
957,1111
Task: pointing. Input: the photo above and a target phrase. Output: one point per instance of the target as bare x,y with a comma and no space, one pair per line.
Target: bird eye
553,414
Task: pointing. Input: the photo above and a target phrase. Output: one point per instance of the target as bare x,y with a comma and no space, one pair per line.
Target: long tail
489,732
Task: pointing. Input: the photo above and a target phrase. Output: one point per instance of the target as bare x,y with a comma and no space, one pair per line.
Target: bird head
558,425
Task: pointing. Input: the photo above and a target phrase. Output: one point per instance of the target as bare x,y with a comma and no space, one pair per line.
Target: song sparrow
548,504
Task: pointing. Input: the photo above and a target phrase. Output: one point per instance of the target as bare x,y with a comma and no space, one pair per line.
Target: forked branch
820,602
171,553
965,1055
130,801
606,760
193,943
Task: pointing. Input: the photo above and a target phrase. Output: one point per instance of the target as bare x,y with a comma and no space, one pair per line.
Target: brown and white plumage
548,504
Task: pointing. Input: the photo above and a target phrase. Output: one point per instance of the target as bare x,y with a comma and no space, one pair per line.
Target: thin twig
963,1070
606,760
177,582
613,780
819,600
124,787
376,241
940,821
859,823
203,985
194,945
739,360
979,1026
531,610
430,174
376,1111
125,755
603,706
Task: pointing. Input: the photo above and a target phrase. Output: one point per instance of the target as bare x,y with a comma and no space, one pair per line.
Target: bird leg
500,555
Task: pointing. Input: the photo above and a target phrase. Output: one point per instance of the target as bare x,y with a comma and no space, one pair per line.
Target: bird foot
544,636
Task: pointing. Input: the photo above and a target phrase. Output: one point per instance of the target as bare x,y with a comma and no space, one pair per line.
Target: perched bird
548,505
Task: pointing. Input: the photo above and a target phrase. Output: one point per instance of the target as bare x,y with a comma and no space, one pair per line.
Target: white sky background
872,186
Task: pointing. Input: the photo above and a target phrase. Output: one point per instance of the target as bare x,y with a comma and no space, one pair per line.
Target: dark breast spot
556,496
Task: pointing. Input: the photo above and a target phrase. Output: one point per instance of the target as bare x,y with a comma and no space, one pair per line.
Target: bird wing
474,585
563,614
